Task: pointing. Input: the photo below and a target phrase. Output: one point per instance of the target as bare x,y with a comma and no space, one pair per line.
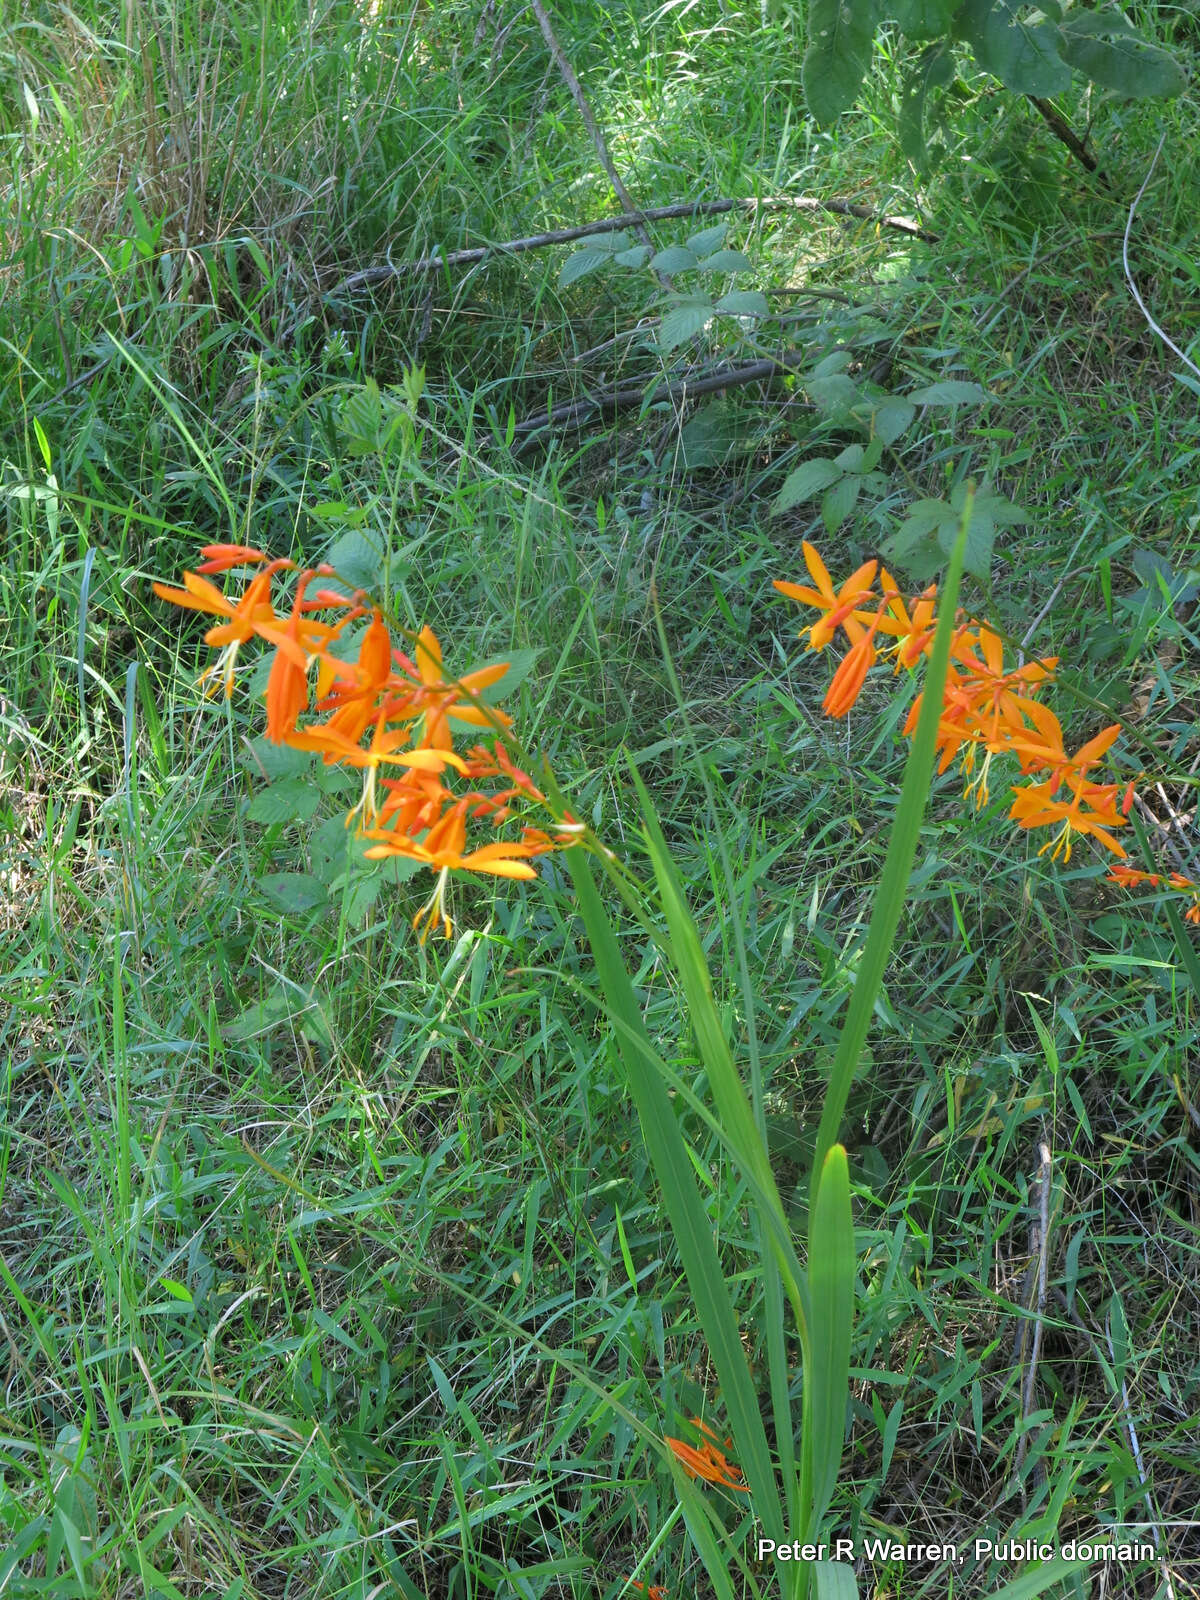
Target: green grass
331,1265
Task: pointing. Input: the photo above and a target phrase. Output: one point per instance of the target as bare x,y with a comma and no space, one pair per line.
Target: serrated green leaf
840,502
293,891
675,258
851,458
725,261
361,418
806,482
981,536
357,559
683,322
1024,56
292,800
636,257
1105,48
891,418
744,303
835,395
580,262
840,39
949,392
707,439
708,239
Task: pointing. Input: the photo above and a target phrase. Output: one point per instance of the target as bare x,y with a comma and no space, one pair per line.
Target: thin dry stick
1077,1321
589,119
1133,288
435,261
1136,1449
1039,1246
1063,130
573,413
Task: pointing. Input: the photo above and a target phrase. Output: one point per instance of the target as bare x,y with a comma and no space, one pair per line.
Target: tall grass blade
689,1221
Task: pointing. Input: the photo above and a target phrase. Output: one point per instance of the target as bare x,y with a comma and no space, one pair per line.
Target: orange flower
708,1462
839,607
1043,747
652,1591
385,749
1130,878
1036,807
253,614
914,634
443,849
220,557
439,707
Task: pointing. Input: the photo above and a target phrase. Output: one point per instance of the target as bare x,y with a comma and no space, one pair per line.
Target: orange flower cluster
401,706
987,706
1131,878
708,1462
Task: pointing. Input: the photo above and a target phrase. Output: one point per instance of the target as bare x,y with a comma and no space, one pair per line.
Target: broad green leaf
1105,48
275,761
840,502
891,418
835,1580
934,69
707,439
1024,56
831,1310
636,257
949,392
923,19
806,482
293,891
725,261
841,34
744,303
580,263
683,322
291,800
675,258
708,239
851,458
835,395
520,664
835,361
356,558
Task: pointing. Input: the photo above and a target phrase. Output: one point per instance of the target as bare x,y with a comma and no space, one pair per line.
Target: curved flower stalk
405,709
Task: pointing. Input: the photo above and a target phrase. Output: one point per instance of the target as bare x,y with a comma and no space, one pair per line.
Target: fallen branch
629,219
573,413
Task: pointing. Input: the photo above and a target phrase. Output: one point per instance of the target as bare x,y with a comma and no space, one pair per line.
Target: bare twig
435,261
1133,288
589,121
1062,129
1035,1299
573,413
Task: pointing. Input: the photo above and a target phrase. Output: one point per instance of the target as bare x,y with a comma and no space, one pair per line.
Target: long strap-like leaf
689,1222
